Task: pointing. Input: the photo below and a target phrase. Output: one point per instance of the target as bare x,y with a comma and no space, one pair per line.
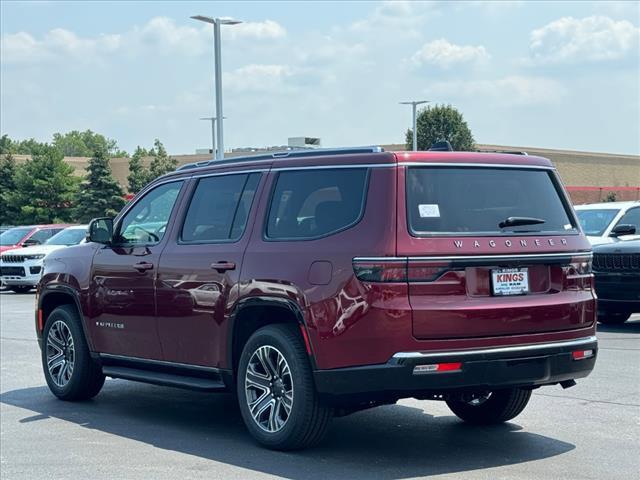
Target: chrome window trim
483,351
523,256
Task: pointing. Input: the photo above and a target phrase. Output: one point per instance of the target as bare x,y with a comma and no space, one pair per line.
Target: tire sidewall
300,375
80,354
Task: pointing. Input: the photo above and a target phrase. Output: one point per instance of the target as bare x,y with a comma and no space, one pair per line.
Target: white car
602,222
21,268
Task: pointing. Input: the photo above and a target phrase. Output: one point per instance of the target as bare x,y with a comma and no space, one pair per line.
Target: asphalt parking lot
134,431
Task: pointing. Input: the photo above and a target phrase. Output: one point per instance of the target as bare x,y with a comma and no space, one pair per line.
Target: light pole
213,133
415,103
216,22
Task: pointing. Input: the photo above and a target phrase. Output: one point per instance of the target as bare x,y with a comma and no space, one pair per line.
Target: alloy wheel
60,353
269,388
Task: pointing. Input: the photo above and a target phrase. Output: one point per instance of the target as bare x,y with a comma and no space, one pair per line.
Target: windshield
14,235
69,236
455,200
595,222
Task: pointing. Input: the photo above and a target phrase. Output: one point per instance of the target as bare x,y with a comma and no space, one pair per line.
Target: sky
539,74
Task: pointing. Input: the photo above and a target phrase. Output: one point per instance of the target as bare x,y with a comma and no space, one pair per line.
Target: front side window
310,204
595,222
457,200
42,236
146,222
219,208
632,217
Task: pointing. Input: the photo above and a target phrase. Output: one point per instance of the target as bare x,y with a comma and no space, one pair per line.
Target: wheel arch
253,313
51,298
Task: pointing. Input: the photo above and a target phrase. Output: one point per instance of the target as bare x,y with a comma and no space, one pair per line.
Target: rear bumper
484,369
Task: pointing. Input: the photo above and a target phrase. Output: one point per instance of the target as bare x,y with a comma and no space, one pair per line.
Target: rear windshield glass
595,222
476,200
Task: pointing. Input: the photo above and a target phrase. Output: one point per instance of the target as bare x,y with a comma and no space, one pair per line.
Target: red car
26,236
318,283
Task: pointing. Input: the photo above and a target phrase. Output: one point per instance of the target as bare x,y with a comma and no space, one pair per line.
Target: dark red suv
318,283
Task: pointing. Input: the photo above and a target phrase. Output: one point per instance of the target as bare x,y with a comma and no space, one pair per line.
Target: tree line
44,189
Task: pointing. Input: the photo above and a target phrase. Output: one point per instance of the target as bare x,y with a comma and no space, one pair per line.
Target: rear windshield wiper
518,221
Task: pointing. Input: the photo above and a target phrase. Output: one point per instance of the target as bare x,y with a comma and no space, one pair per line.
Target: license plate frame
514,281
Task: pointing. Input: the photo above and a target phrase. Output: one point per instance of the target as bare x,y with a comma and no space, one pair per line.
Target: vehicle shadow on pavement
390,442
630,326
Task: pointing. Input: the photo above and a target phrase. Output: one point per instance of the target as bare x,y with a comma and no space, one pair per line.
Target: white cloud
160,35
509,90
267,29
444,54
257,77
590,39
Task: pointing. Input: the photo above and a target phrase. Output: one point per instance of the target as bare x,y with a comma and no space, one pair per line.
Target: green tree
84,144
138,173
44,187
161,162
441,122
9,211
6,145
100,194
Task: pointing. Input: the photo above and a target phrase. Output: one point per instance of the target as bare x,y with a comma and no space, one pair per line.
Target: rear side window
475,200
310,204
219,208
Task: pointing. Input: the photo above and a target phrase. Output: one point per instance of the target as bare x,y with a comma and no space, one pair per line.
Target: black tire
86,379
500,406
308,418
21,288
613,318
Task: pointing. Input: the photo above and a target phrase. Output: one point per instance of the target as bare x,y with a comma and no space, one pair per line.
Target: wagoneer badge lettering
117,326
508,243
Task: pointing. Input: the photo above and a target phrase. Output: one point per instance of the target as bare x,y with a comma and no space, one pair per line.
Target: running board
165,379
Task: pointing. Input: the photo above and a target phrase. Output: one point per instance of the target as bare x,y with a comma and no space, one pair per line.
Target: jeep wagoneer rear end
498,281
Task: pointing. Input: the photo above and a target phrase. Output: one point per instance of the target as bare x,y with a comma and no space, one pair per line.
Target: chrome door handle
223,266
143,266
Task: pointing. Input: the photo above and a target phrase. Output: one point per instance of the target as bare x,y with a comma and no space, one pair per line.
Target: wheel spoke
274,419
260,405
287,402
265,361
55,361
254,379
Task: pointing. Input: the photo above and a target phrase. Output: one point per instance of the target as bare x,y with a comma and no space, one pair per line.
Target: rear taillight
578,274
392,270
399,270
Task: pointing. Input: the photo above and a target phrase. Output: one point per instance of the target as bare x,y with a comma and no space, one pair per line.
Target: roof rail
296,153
511,152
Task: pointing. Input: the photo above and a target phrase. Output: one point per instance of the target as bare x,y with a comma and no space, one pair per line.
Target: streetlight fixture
415,103
213,133
217,22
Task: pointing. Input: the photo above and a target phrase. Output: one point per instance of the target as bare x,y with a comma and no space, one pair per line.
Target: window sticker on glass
429,210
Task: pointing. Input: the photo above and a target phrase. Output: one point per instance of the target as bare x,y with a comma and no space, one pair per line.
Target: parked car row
24,249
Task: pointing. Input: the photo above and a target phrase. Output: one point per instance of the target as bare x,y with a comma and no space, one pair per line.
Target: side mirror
624,229
100,230
30,242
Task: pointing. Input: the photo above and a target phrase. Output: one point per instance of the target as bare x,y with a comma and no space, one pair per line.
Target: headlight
35,257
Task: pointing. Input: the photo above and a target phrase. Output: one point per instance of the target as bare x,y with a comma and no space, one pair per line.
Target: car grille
13,258
13,271
607,262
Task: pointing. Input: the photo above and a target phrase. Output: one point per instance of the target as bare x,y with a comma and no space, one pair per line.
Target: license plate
510,281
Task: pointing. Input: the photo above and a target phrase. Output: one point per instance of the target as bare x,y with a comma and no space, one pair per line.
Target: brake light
582,354
399,270
381,270
437,368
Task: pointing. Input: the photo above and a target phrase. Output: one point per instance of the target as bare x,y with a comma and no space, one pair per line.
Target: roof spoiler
441,146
